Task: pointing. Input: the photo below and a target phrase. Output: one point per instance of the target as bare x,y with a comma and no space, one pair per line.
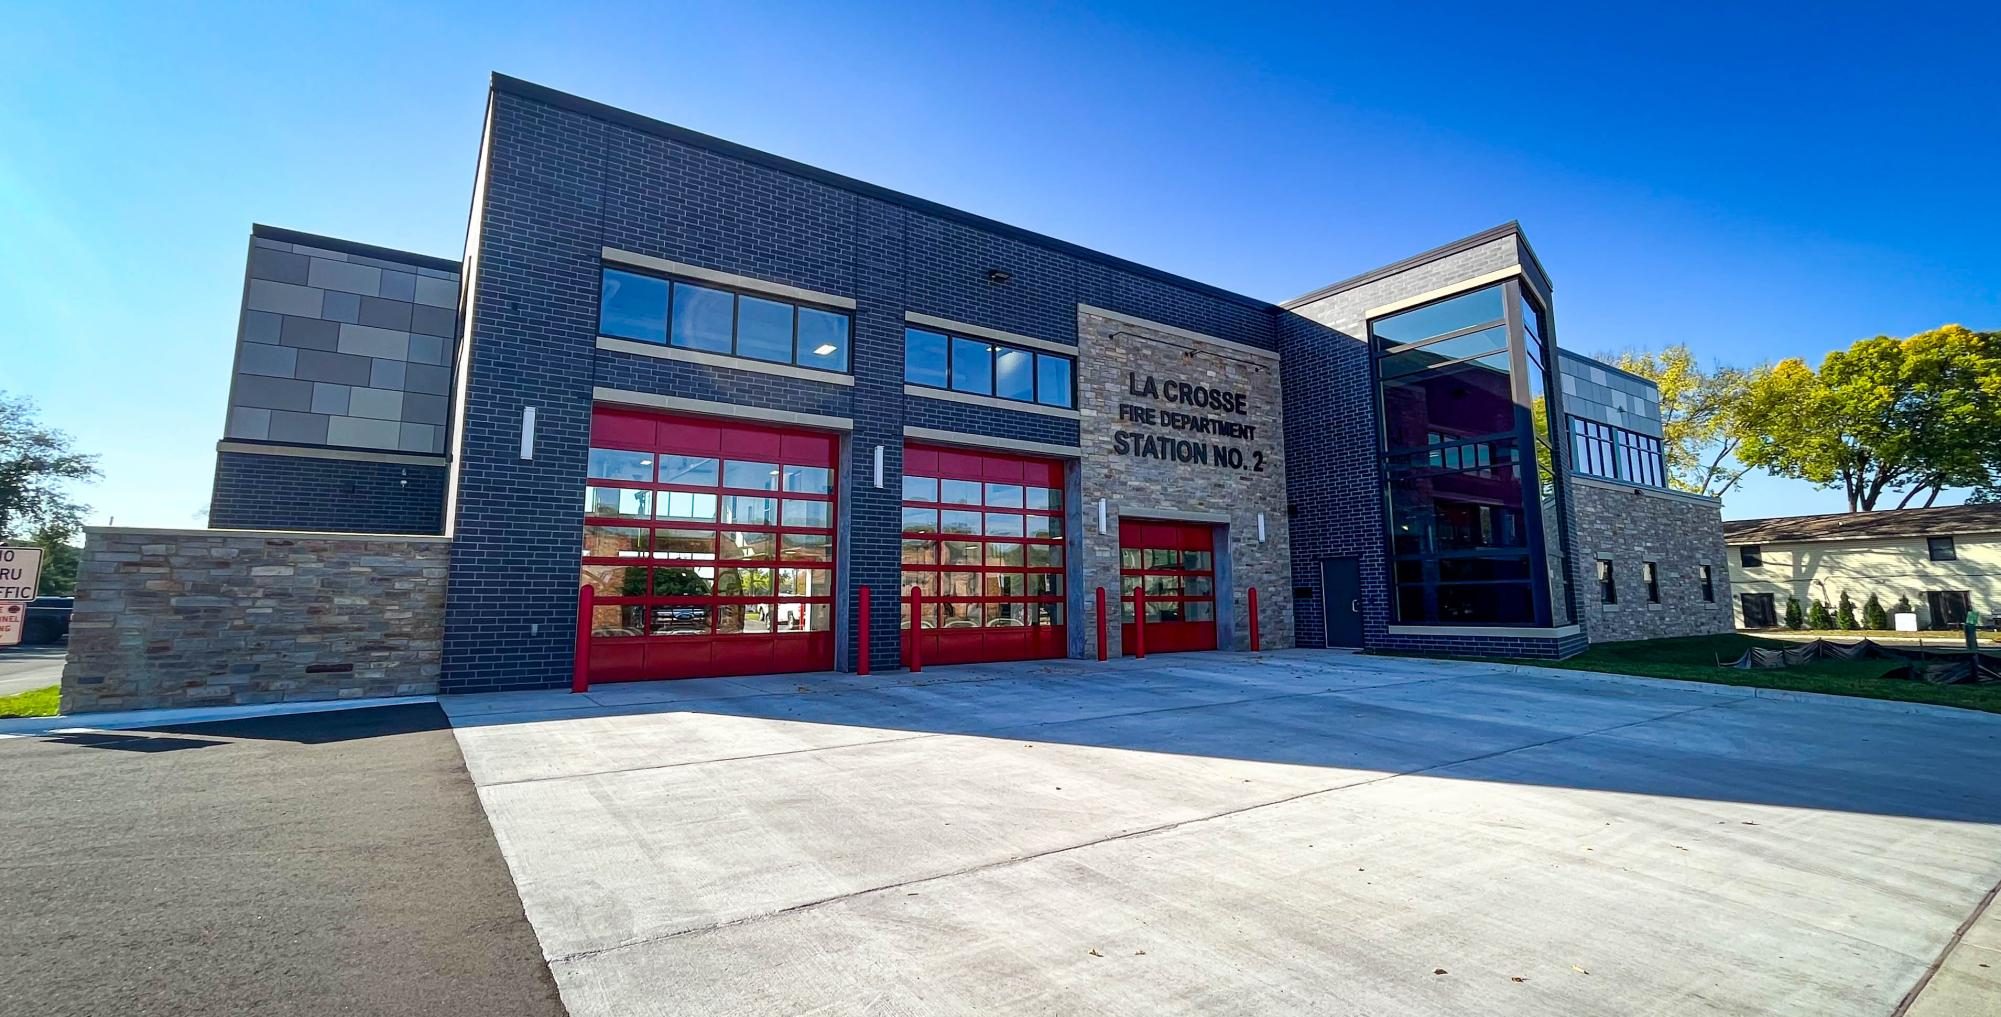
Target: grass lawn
1693,658
32,703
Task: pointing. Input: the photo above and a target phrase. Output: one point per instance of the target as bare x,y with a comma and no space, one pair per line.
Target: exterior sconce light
998,275
878,466
1261,527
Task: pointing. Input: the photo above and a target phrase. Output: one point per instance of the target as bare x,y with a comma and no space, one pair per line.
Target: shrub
1874,617
1818,618
1903,606
1794,618
1844,615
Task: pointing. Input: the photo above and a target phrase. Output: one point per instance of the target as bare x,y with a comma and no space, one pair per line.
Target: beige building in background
1945,560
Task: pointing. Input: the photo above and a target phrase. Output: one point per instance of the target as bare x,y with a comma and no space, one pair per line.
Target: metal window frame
737,294
1530,447
994,347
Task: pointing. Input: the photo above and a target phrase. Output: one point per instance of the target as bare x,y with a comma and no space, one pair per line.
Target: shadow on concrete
1389,716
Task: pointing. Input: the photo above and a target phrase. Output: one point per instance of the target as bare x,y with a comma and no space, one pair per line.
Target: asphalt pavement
27,668
331,863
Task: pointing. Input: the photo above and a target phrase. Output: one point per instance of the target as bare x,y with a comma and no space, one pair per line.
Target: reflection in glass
924,359
972,367
763,329
617,501
1052,380
694,471
702,318
750,476
618,464
823,340
632,306
1450,315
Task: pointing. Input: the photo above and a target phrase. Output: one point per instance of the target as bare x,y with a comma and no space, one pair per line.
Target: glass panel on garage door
983,539
1176,562
710,545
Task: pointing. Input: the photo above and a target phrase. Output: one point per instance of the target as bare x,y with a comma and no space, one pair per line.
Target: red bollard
1139,619
861,636
1102,648
580,668
916,629
1254,619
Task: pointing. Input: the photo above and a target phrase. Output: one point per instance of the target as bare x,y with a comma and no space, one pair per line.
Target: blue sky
1757,181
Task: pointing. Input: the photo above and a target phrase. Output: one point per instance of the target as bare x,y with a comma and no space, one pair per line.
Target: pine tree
1903,606
1817,617
1874,618
1845,613
1794,619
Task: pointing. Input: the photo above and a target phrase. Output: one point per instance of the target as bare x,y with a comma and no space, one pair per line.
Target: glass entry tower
1476,518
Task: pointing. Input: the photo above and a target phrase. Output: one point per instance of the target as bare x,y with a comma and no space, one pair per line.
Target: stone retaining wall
177,618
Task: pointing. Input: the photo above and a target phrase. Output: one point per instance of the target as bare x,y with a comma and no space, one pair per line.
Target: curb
125,720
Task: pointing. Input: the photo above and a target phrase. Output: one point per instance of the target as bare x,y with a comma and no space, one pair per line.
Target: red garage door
983,538
1177,564
710,546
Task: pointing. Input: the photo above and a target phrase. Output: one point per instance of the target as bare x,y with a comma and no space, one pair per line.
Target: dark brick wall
1333,479
562,184
260,492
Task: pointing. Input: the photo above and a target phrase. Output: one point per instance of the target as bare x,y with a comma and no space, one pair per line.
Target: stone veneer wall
174,618
1111,348
1631,525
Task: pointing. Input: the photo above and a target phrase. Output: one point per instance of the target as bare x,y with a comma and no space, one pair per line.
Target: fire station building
726,392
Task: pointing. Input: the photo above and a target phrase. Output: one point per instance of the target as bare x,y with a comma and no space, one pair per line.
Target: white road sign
13,618
20,570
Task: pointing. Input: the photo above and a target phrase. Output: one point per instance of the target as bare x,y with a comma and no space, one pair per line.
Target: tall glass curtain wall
1475,515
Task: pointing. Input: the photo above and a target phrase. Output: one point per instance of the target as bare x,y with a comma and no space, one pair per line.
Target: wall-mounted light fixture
998,275
1261,527
1103,521
528,432
878,466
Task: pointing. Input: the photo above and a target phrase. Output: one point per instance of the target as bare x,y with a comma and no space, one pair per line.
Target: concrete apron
1229,834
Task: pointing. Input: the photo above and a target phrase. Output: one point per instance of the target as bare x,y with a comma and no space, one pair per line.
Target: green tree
1817,617
1918,415
1698,415
1794,619
1903,606
37,464
1844,613
1874,618
60,560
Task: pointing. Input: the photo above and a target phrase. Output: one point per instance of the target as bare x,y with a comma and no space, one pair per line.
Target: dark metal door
1341,585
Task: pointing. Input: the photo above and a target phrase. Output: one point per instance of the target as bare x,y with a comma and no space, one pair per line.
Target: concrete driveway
1224,834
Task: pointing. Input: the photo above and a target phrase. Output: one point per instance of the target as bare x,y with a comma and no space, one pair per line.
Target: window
1591,448
1708,584
1608,591
1601,450
1941,549
1948,607
1751,556
714,319
1651,574
1640,459
987,368
1469,538
1760,611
